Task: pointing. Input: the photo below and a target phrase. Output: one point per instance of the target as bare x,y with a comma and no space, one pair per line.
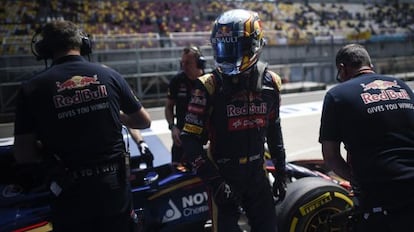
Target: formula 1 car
172,198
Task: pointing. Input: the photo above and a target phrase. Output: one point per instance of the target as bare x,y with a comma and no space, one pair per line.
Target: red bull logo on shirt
76,82
386,92
82,94
380,84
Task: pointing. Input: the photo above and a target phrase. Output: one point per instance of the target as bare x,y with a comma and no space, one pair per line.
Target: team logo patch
242,123
386,93
76,82
380,84
192,129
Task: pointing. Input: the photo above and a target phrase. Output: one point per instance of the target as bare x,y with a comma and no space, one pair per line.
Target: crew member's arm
139,119
169,116
331,151
169,112
132,112
136,135
26,149
146,154
26,146
330,137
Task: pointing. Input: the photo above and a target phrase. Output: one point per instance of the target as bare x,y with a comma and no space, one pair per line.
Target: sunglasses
338,78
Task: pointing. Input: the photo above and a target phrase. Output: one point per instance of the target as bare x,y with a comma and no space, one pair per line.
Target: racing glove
279,185
146,154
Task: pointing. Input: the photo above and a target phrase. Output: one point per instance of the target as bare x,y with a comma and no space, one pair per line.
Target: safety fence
148,70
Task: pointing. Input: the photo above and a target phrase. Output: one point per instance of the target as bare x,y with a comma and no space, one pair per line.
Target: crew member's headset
201,60
42,48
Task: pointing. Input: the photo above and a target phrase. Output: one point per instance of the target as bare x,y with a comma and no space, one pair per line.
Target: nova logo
196,199
191,205
11,190
172,213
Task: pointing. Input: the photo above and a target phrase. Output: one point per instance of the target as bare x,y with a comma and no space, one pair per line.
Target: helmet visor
229,51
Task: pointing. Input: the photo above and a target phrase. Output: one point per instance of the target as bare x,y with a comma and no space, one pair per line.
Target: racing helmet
237,40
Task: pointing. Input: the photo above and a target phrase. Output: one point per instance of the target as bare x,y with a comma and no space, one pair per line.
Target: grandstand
161,23
143,39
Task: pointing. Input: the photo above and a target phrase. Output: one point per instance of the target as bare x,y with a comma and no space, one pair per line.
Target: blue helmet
237,40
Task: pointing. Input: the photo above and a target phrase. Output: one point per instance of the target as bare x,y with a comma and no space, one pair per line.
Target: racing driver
236,108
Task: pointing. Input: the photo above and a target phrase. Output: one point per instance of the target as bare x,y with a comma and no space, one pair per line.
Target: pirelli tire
308,204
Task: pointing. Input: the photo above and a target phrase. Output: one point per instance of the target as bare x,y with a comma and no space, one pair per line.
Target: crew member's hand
146,153
175,134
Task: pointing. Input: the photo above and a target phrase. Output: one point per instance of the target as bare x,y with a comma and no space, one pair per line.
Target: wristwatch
171,125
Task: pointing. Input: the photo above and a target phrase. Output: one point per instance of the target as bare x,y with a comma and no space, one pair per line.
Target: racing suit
73,107
179,90
373,115
239,119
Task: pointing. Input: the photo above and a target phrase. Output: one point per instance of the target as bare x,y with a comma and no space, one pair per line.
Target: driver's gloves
279,185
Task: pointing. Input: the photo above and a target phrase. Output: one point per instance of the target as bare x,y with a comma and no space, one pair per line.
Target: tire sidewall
307,199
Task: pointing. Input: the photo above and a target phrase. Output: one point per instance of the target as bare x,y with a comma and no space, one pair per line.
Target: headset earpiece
86,47
39,48
201,60
42,49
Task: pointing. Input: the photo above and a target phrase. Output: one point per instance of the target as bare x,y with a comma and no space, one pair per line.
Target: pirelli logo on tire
193,129
316,203
310,202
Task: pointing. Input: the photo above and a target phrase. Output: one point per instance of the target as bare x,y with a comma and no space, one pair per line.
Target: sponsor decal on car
190,205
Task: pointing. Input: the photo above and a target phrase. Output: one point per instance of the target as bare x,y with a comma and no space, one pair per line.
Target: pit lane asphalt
300,118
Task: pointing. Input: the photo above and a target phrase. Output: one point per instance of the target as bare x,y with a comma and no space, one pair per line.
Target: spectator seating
286,22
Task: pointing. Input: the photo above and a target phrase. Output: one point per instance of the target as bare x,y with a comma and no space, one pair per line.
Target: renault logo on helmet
224,40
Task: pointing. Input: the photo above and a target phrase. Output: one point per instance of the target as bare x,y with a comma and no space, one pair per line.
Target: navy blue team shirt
73,107
371,114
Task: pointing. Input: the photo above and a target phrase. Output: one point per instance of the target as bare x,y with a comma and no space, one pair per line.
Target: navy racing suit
237,119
